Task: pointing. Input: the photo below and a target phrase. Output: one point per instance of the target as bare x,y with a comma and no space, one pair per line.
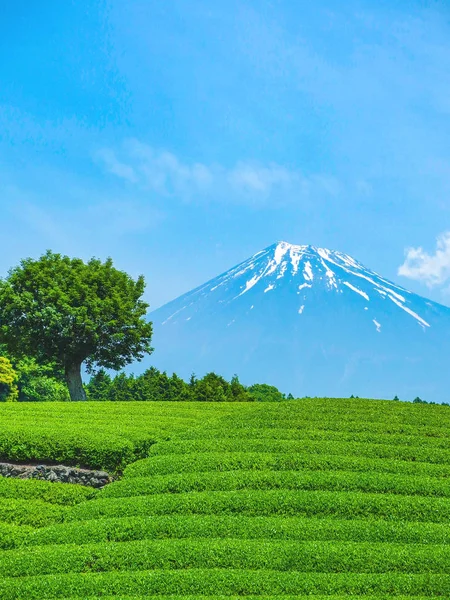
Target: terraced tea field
304,499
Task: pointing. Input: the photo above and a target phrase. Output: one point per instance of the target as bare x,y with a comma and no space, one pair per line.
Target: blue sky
181,137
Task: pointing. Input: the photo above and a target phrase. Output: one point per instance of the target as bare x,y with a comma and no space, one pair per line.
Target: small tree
418,400
9,391
237,391
396,398
64,311
99,386
262,392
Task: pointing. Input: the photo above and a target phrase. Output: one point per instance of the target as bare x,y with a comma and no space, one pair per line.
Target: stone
57,473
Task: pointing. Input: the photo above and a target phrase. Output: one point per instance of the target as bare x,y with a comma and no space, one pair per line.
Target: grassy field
312,498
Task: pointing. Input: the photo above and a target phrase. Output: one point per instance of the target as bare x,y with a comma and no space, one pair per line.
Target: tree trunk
74,381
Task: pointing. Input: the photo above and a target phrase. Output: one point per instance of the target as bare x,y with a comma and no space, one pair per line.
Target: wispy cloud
168,175
431,269
115,166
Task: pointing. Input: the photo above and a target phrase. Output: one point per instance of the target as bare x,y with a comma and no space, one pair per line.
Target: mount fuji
313,322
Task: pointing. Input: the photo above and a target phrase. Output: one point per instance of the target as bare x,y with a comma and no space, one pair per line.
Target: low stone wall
59,473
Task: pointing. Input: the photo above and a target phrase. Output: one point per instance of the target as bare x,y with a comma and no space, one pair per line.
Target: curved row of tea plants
313,498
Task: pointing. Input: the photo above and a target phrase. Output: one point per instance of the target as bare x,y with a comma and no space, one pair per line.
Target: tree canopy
8,381
63,311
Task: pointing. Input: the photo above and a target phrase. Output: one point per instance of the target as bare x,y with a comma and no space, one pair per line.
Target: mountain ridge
292,303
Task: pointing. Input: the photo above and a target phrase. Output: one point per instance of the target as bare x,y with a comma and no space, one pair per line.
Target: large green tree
63,311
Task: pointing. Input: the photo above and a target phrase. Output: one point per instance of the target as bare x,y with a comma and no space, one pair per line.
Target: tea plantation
317,498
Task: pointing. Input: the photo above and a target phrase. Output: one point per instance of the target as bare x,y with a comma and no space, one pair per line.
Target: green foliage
154,385
64,311
37,382
343,505
281,556
8,381
99,386
77,447
261,392
228,582
40,383
65,494
12,536
34,513
126,529
96,435
373,482
214,388
312,498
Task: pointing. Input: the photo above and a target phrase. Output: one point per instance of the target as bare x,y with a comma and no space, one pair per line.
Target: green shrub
12,536
125,529
308,557
380,483
8,381
223,582
65,494
261,392
312,498
35,513
344,505
58,446
263,461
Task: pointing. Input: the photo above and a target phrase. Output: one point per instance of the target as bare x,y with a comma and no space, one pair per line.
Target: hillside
310,498
312,322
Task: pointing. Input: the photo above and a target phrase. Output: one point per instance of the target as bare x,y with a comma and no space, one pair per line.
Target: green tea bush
308,557
314,498
346,505
65,494
125,529
13,535
381,483
254,461
77,449
35,513
224,582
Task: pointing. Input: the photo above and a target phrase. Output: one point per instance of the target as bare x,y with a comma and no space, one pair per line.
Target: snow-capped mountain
310,321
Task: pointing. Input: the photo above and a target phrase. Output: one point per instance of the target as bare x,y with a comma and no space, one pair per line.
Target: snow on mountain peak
306,271
309,319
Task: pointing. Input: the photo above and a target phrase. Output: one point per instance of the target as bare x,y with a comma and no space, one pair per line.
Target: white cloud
261,179
247,181
113,165
432,269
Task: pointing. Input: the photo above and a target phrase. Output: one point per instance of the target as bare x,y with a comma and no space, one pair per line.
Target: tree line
26,381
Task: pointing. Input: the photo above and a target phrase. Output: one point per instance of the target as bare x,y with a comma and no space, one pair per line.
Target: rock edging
56,473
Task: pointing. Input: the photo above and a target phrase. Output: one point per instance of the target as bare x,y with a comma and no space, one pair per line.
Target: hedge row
105,436
347,505
61,446
291,439
113,453
125,529
30,512
343,481
12,536
66,494
309,557
284,597
260,461
223,582
324,427
422,453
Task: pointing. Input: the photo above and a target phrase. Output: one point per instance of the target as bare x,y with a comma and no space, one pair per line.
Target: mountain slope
311,321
